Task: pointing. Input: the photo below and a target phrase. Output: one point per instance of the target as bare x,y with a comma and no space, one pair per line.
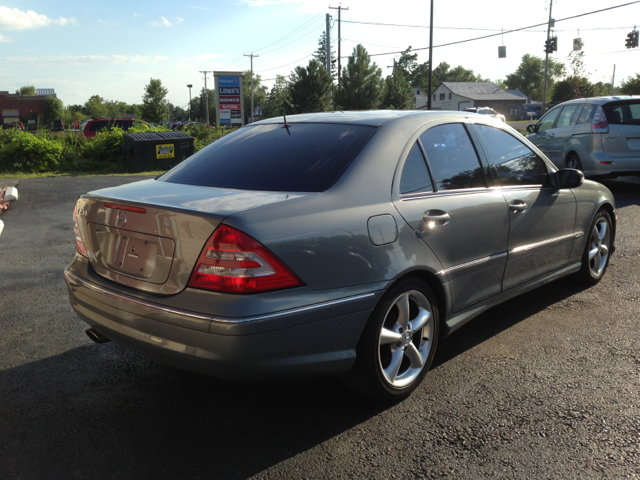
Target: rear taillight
82,250
599,123
233,262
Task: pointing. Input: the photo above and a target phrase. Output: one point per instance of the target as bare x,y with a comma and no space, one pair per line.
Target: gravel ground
543,386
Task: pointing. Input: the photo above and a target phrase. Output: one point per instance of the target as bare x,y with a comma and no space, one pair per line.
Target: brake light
233,262
599,123
126,208
82,250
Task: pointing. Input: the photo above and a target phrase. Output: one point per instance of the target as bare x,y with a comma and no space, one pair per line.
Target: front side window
415,176
301,157
513,162
564,120
546,122
452,158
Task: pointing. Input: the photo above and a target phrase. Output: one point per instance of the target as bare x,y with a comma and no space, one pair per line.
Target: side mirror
532,128
569,178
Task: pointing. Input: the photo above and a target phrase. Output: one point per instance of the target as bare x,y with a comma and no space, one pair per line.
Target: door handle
518,206
436,218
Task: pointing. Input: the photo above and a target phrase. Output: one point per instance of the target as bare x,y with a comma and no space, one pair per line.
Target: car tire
573,161
398,343
597,250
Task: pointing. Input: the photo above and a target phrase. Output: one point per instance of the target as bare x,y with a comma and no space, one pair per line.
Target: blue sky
112,48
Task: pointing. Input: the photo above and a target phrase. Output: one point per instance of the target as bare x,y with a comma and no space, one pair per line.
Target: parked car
486,111
57,125
343,243
92,127
599,136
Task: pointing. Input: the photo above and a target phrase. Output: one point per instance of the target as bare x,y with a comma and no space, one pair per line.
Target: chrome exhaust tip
96,336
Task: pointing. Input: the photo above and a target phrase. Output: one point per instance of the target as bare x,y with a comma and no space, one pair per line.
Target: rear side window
303,157
415,176
586,113
124,124
97,126
452,158
514,163
623,113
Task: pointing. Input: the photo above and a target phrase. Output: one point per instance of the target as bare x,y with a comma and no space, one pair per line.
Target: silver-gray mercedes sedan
342,243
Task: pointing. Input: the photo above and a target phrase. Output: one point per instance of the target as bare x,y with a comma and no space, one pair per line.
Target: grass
24,176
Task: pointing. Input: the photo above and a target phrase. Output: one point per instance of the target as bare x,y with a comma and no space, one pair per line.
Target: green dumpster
149,151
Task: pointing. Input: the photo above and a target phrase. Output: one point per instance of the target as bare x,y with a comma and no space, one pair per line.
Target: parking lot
544,386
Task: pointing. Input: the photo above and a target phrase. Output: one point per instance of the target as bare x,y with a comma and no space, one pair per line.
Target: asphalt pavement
544,386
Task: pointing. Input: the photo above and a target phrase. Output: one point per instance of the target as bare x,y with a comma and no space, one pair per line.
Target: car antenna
285,124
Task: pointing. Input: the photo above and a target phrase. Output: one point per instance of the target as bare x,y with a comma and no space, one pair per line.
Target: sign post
229,98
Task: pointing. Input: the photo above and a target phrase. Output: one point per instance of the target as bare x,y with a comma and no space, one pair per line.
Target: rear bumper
619,166
318,339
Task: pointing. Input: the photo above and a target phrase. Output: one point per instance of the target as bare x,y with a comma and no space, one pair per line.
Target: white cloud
135,14
108,24
69,60
14,19
180,20
4,39
165,22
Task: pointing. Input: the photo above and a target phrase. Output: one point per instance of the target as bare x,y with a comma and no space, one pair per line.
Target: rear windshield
623,113
303,157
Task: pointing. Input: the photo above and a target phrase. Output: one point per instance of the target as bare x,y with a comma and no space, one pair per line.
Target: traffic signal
551,45
632,39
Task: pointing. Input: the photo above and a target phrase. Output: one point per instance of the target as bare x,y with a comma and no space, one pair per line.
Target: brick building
15,109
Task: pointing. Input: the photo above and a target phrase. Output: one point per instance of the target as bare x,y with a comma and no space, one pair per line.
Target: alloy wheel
406,338
599,247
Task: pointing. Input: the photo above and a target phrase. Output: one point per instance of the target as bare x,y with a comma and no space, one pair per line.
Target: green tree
259,93
572,87
27,91
94,107
529,76
631,86
602,89
321,55
310,88
53,109
154,103
361,84
398,94
278,100
115,109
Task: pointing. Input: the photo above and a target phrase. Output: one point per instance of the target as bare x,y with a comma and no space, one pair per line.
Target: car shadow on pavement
626,190
505,316
101,411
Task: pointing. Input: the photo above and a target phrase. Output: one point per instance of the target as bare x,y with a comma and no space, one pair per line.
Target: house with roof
15,109
461,95
420,97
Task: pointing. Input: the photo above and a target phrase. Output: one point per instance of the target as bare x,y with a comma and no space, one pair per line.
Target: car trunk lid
148,235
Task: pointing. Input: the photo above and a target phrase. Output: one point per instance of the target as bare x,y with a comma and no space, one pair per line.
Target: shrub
28,153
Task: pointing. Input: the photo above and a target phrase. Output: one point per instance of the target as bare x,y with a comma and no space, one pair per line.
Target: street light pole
189,87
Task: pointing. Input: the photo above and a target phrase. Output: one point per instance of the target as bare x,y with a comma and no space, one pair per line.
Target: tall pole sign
229,98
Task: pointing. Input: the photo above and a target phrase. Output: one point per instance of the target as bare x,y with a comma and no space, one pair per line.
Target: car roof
602,100
373,118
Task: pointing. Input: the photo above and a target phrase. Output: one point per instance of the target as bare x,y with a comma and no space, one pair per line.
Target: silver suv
600,136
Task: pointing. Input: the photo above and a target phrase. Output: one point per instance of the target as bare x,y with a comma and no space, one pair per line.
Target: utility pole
206,92
339,8
252,55
328,45
393,72
189,87
546,62
430,57
613,80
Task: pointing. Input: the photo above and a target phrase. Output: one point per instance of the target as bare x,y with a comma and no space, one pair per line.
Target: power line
275,68
293,41
508,31
301,27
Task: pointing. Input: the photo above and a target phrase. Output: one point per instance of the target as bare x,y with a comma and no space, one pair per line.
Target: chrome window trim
531,246
406,197
75,280
472,263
